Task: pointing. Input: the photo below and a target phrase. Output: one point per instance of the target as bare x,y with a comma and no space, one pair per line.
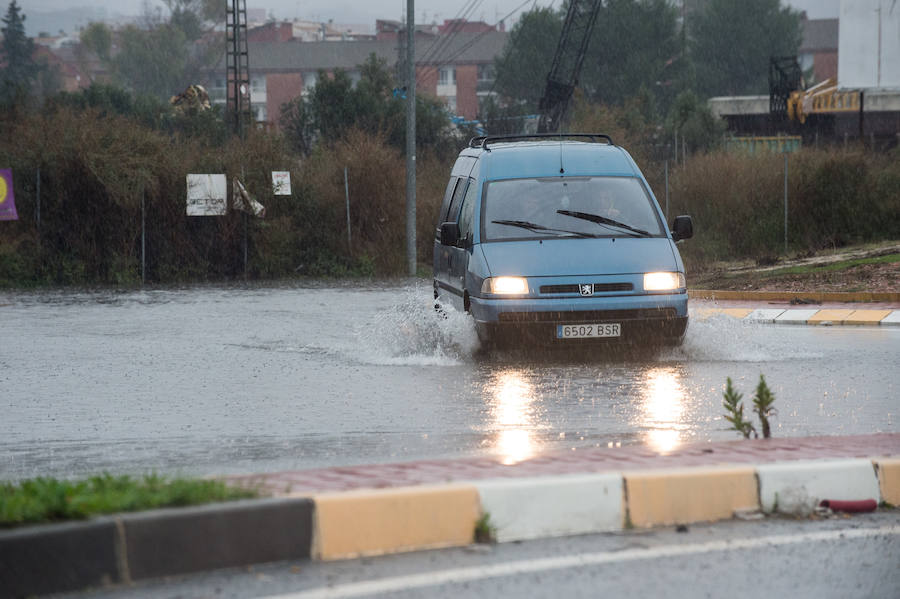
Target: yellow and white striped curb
357,523
798,487
377,521
664,497
786,296
551,506
810,316
889,480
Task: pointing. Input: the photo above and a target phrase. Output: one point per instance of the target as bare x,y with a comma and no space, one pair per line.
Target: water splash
725,339
417,332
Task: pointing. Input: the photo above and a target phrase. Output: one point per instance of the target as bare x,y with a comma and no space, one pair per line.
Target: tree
97,38
19,69
152,61
526,59
734,39
693,122
335,106
635,47
161,57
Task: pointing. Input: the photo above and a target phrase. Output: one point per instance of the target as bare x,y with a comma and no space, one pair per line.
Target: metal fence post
37,200
143,238
347,197
785,203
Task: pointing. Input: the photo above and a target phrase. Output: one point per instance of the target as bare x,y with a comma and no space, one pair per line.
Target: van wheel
438,308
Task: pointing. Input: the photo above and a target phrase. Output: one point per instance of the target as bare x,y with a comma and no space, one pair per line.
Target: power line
446,41
474,41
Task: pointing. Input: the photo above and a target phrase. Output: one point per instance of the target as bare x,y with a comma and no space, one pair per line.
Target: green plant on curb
763,401
734,410
485,531
762,405
48,499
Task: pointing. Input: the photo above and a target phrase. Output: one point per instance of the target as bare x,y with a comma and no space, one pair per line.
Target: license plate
586,331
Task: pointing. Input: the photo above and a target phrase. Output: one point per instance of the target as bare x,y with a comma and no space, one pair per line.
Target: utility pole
237,66
411,137
237,79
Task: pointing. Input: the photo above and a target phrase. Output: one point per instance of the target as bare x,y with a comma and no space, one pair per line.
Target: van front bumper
643,318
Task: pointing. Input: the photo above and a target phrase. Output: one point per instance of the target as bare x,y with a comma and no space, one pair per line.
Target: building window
451,103
258,84
485,72
447,76
309,81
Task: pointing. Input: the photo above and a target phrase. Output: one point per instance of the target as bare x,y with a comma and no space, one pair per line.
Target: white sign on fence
206,195
281,183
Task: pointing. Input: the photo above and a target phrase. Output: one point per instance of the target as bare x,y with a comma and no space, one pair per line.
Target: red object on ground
862,505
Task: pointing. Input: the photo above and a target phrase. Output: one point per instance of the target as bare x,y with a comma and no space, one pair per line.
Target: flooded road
215,380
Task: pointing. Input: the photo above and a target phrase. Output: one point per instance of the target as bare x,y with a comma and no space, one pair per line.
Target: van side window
467,213
453,213
445,204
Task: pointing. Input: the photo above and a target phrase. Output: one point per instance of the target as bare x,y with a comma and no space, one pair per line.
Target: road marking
530,566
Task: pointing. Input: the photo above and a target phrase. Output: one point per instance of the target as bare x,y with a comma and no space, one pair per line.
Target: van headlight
663,281
505,286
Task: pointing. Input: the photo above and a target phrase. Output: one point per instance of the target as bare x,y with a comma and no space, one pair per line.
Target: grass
485,531
832,267
49,500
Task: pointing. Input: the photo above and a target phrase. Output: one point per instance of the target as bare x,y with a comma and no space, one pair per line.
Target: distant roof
819,34
308,56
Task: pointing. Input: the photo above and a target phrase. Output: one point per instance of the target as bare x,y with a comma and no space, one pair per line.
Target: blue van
558,239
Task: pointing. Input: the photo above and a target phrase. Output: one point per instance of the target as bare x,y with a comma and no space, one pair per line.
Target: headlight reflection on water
513,413
663,408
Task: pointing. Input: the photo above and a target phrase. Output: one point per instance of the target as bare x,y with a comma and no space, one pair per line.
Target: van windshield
573,206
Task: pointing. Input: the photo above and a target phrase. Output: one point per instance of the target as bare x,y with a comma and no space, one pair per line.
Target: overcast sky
366,11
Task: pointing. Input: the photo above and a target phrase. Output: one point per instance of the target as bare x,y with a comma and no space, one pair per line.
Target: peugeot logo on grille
587,289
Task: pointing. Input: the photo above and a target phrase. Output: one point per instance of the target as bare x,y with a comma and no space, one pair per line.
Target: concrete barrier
798,487
889,479
665,497
377,521
535,507
52,558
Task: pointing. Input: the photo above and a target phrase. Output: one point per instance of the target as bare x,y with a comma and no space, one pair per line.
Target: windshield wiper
602,220
524,224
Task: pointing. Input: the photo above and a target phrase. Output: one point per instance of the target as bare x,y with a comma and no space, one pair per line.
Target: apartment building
455,67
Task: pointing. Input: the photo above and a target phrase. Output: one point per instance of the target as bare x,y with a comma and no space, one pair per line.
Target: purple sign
7,198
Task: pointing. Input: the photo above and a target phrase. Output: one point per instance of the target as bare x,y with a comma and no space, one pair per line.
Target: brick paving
581,461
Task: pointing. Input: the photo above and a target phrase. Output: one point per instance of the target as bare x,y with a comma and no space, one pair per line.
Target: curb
53,558
807,316
787,296
125,548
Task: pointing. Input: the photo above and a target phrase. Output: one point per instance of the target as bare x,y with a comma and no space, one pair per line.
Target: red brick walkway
574,462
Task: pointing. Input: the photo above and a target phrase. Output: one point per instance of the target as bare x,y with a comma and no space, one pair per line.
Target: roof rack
482,141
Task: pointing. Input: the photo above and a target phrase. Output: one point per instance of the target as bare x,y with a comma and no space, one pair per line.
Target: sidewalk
583,461
824,309
374,509
346,512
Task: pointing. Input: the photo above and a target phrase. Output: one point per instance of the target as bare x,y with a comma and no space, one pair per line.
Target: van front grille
598,288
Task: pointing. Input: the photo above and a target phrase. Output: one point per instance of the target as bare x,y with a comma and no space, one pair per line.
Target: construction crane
789,99
570,53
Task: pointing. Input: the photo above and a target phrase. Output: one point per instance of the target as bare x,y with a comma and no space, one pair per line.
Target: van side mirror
449,233
682,228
